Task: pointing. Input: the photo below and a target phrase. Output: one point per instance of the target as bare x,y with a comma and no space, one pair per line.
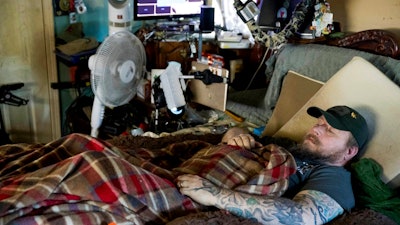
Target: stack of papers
242,44
229,37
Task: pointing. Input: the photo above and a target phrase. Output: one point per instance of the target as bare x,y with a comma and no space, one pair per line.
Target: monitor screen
269,11
267,18
166,9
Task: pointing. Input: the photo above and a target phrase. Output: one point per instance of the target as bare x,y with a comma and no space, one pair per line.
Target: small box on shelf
76,58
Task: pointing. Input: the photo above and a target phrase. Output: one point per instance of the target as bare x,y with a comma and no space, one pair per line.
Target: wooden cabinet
173,51
159,53
27,56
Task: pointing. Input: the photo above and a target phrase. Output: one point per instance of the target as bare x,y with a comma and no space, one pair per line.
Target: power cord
258,68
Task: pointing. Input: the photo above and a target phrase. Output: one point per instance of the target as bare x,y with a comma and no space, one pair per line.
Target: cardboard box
213,95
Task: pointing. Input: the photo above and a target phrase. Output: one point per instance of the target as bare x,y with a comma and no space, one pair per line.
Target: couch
317,61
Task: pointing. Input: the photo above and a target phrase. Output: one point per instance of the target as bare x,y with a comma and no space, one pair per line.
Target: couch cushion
319,62
296,91
363,87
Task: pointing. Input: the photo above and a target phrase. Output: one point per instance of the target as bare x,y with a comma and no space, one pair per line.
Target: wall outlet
73,18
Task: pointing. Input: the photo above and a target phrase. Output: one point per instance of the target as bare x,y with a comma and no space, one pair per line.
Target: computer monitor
268,10
268,17
166,9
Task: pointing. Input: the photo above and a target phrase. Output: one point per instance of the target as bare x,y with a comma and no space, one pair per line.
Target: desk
159,53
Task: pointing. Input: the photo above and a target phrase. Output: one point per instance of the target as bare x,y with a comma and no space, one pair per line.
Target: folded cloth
372,192
72,32
78,45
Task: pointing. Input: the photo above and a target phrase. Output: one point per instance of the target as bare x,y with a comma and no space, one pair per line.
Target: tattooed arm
307,207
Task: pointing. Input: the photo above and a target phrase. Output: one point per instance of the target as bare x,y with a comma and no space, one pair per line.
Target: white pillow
366,89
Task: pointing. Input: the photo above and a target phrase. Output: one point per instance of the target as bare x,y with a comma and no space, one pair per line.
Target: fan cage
115,50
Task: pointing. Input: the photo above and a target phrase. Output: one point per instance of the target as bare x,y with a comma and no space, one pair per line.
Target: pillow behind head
366,89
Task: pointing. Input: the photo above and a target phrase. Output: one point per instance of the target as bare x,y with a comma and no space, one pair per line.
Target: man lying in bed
78,179
320,189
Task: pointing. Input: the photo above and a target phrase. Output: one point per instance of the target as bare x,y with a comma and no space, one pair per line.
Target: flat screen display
269,13
163,9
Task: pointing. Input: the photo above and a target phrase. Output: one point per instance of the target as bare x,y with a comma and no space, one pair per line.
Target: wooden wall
357,15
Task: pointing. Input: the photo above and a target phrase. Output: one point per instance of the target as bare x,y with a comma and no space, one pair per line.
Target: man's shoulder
332,170
334,181
309,168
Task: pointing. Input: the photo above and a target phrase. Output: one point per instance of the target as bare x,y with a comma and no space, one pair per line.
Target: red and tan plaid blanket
81,180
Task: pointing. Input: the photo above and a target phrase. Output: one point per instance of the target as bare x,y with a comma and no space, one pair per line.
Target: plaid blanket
81,180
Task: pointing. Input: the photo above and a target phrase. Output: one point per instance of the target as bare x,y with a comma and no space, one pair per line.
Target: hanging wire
258,68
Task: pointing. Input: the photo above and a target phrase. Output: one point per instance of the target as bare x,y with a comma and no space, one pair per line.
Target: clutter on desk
78,45
212,60
232,40
321,24
242,44
229,36
72,46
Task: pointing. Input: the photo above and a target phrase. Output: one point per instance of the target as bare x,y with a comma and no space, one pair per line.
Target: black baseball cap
344,118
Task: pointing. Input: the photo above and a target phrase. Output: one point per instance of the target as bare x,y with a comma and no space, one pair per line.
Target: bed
129,180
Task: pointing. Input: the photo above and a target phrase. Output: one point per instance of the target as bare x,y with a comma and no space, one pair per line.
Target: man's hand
245,141
198,189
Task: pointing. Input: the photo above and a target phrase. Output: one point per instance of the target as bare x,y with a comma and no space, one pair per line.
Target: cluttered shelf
236,60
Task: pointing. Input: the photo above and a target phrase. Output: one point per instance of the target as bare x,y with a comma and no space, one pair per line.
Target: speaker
206,19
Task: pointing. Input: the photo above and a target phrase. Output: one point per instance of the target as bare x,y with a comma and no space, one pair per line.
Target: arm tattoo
208,186
307,207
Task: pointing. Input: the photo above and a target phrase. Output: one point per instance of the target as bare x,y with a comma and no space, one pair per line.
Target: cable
258,69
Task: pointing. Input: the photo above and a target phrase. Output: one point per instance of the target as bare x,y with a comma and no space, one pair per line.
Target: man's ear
351,152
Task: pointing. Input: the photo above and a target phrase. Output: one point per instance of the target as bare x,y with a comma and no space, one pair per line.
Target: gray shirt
334,181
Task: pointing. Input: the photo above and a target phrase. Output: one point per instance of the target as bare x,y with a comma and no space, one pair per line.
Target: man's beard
302,152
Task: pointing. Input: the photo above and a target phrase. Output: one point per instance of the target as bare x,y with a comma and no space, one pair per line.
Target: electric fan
116,71
120,15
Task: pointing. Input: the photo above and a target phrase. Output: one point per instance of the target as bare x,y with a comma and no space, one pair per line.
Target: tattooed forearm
308,207
208,186
325,207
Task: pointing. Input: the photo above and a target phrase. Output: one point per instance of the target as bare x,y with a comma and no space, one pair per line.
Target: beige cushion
363,87
296,91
